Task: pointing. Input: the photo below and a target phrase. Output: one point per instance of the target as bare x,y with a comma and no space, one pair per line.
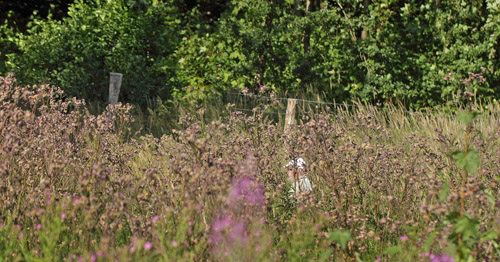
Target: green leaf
467,117
490,235
470,160
341,237
444,192
429,241
468,227
392,250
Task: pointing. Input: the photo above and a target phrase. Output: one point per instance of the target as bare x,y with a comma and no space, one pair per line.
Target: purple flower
63,215
75,202
155,218
221,224
237,232
38,226
249,190
439,258
148,245
403,238
174,243
21,235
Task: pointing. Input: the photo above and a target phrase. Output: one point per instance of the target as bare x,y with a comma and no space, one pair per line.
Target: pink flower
47,192
75,202
403,237
155,218
148,245
47,201
100,253
174,243
21,235
38,226
63,215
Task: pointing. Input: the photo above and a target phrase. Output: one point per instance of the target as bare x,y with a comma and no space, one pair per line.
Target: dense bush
376,51
96,38
74,185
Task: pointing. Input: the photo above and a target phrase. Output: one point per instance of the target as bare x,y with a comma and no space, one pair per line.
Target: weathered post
115,82
290,114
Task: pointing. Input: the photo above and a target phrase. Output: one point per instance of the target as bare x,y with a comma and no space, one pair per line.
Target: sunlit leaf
341,237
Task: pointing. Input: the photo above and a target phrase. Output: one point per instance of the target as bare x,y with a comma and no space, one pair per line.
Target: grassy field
388,185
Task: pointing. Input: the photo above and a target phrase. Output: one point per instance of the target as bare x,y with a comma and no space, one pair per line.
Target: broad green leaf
470,160
468,227
392,250
444,192
490,235
467,117
341,237
429,241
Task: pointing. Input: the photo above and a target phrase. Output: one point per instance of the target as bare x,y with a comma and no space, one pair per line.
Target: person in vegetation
301,185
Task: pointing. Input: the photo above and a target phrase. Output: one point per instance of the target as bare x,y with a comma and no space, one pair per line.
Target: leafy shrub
96,38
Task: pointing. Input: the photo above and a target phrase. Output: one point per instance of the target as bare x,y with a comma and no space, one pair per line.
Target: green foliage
375,51
96,38
341,237
469,160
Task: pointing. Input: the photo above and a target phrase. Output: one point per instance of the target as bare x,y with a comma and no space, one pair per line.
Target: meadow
388,184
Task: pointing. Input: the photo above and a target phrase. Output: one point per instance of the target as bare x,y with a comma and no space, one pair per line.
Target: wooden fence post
115,82
290,114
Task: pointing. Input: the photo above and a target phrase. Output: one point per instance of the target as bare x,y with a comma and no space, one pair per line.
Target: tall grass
81,187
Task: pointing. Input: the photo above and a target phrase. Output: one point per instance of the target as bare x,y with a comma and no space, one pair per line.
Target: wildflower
155,218
21,235
75,202
263,88
198,207
63,215
47,192
100,253
92,257
47,201
174,243
148,245
238,232
403,238
221,224
38,226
